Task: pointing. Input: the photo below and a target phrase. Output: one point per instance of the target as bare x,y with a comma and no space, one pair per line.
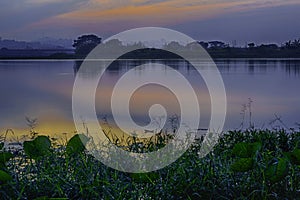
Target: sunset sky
242,20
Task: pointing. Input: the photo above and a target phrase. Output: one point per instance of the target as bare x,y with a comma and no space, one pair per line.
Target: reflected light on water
43,89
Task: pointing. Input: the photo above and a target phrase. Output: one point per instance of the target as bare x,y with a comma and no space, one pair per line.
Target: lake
260,92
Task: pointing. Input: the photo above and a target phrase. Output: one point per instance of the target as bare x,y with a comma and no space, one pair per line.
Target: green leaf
1,145
295,157
29,149
5,156
277,169
76,144
4,176
241,149
246,150
255,147
38,147
145,177
242,165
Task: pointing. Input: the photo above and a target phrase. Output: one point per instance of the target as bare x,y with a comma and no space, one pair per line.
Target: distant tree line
84,44
217,49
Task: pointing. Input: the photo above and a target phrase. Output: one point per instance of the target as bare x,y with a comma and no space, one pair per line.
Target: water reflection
43,90
291,67
147,95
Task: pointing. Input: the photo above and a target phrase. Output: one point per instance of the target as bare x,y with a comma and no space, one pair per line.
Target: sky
259,21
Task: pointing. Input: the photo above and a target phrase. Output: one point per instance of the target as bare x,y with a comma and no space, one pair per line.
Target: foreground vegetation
251,164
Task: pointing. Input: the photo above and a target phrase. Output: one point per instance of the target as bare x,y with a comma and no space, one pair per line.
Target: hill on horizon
42,43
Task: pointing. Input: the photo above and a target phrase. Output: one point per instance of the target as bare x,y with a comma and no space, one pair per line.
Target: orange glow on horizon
156,14
109,16
164,12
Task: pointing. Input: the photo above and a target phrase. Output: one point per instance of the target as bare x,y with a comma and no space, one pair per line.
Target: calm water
43,90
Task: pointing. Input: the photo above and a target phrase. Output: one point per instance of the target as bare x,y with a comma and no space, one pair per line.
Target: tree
85,44
217,44
269,46
204,44
292,44
173,45
251,45
113,43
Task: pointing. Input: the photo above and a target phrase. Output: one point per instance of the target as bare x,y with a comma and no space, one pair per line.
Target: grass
250,164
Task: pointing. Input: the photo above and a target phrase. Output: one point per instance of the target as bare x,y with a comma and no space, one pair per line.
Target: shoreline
152,53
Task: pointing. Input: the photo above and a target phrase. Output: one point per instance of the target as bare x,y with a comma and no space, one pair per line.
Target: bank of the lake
249,164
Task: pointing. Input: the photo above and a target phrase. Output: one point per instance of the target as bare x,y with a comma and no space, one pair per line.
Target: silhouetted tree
292,44
269,46
251,45
204,44
192,45
173,45
113,43
217,44
234,43
85,44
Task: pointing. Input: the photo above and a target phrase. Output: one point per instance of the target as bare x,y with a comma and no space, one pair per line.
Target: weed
250,164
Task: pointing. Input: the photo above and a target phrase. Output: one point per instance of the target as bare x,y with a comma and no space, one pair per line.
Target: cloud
255,4
162,11
15,14
113,16
261,25
45,1
159,11
50,16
